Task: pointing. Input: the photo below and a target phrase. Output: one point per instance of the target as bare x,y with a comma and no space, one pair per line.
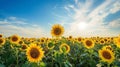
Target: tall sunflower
2,42
15,39
106,55
34,53
117,41
64,48
57,30
88,43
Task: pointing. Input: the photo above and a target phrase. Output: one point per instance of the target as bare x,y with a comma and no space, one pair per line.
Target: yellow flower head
102,41
15,39
105,39
106,55
21,42
88,43
2,42
42,40
107,47
50,45
24,46
117,41
79,39
64,48
57,30
34,53
1,35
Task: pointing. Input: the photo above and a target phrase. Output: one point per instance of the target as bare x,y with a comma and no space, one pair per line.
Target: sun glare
82,25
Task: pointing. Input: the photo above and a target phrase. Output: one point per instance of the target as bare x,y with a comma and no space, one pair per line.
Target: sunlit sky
34,18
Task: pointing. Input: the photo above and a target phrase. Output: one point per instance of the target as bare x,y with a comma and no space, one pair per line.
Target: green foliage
79,56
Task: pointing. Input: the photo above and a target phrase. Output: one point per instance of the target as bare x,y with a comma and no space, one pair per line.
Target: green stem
90,54
52,61
17,56
60,65
108,65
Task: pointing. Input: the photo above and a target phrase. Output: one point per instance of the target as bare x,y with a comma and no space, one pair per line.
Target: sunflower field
59,51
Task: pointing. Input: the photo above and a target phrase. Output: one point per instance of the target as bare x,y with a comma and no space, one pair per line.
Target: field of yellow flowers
59,51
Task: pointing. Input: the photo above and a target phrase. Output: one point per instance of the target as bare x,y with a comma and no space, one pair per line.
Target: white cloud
114,23
9,28
19,22
116,7
4,22
15,20
94,19
12,18
76,1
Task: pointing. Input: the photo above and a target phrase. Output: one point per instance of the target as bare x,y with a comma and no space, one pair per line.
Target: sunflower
1,35
106,55
15,39
57,30
117,41
64,48
107,47
2,42
42,40
24,46
70,38
21,42
34,53
88,43
96,41
79,39
105,39
50,45
102,42
31,40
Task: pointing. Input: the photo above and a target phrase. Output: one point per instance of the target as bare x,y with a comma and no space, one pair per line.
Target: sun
82,25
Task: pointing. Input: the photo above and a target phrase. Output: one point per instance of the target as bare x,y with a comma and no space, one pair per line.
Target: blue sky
34,18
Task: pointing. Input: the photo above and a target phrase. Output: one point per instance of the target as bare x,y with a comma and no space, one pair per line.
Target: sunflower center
1,41
24,47
106,55
105,39
79,39
42,40
88,43
0,35
20,42
96,41
102,41
57,31
34,53
14,38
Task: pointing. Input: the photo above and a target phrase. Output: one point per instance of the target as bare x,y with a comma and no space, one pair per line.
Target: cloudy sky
34,18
